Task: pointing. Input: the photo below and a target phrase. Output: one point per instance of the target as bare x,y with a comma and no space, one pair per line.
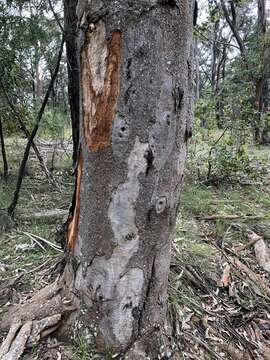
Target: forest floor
219,289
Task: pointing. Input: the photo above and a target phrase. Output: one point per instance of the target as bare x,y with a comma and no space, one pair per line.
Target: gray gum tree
136,95
136,113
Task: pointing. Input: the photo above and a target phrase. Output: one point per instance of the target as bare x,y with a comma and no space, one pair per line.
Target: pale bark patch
117,286
121,211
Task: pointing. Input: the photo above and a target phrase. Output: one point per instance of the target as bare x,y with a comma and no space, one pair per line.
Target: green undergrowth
26,263
236,206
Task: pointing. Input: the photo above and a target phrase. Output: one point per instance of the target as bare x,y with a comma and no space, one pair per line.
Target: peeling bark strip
100,78
72,233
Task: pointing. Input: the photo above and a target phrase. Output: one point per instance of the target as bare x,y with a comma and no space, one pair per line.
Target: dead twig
54,246
228,217
35,241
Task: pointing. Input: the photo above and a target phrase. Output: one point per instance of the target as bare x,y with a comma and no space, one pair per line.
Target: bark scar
100,79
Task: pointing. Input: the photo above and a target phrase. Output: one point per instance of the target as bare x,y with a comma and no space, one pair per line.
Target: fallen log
55,214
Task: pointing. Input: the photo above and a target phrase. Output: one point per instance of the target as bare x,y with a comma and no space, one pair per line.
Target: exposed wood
72,232
100,78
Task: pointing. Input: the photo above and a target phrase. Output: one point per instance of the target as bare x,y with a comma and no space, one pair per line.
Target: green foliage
226,160
54,123
82,349
29,42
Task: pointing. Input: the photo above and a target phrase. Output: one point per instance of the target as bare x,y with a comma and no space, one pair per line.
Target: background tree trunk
261,135
136,112
3,149
70,18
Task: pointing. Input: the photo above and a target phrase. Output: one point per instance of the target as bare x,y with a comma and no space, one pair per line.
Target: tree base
49,311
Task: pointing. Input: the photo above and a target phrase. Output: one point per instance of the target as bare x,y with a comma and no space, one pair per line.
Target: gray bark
136,112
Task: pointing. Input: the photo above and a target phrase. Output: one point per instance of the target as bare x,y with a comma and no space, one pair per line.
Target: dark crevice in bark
149,214
129,62
178,95
188,134
169,3
127,94
195,13
147,296
149,156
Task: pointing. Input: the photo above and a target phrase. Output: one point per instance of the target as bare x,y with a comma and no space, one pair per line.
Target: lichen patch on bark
72,233
100,79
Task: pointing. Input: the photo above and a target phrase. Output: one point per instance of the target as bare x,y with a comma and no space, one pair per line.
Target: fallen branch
253,238
42,327
254,277
39,317
45,215
17,346
54,246
228,217
35,241
10,337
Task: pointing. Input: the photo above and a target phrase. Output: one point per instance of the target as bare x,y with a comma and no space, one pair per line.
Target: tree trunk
4,156
261,102
70,18
136,109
